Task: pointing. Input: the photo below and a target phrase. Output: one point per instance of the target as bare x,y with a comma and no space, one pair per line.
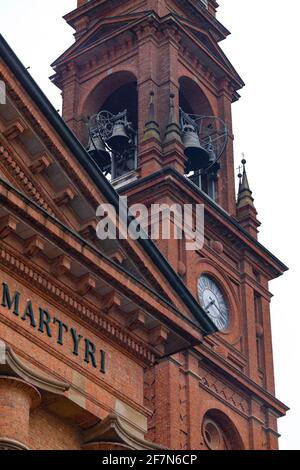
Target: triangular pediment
211,47
196,13
48,171
100,32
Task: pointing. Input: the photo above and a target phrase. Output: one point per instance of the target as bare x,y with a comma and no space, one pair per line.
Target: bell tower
148,91
161,62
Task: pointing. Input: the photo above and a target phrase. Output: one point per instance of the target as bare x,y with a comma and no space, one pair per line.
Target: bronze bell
198,156
97,150
119,139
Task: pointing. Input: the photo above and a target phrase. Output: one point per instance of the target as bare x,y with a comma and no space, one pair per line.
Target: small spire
151,126
172,130
240,176
245,194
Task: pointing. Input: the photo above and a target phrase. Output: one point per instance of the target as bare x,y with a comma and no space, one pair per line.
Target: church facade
123,343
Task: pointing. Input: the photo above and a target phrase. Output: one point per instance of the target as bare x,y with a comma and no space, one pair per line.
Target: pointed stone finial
173,129
245,194
151,126
246,212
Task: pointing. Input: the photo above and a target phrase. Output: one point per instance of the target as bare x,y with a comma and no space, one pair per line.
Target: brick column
226,186
194,404
268,348
249,326
271,430
71,100
256,422
17,398
167,403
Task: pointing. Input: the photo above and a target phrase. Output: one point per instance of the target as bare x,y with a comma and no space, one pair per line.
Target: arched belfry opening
192,99
125,97
112,124
199,133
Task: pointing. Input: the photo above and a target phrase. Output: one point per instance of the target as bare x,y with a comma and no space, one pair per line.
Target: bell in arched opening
198,156
98,152
119,139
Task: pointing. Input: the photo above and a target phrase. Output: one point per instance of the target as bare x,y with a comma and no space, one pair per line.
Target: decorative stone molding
8,225
158,336
13,364
10,444
33,246
24,179
75,304
111,434
224,391
118,256
53,392
88,230
217,246
136,320
41,163
111,301
85,284
14,130
65,197
61,266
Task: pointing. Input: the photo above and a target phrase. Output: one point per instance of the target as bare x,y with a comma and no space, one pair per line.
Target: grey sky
264,48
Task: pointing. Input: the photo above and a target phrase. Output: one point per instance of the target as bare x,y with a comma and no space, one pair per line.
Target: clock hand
217,306
212,302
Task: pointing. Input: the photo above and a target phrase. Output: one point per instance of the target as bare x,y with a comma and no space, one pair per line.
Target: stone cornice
146,26
70,303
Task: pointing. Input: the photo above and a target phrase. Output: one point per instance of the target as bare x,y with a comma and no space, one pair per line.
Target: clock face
213,302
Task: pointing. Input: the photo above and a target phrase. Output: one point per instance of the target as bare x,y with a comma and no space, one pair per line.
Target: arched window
214,436
219,432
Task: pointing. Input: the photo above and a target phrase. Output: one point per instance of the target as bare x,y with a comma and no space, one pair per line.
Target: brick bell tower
147,89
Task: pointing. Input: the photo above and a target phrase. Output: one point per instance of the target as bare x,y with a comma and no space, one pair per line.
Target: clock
213,301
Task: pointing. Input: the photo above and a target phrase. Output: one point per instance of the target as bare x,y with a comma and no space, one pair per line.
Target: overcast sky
264,48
